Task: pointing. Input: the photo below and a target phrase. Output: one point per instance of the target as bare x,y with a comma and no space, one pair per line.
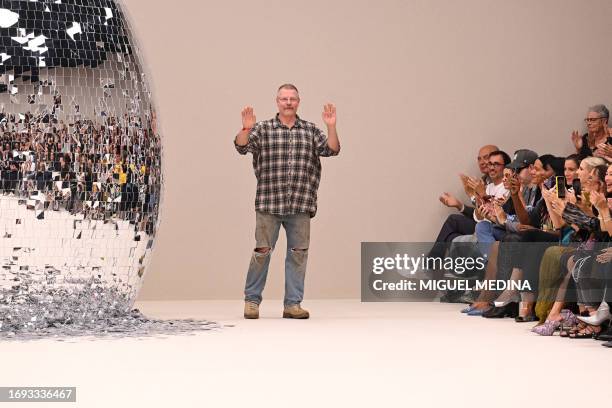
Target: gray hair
293,87
601,110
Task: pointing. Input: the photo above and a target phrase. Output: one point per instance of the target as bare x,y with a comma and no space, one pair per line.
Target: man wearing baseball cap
522,158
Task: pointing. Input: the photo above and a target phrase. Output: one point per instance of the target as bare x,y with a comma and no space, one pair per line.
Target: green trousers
550,280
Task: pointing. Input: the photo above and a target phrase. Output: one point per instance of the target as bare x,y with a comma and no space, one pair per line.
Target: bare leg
528,301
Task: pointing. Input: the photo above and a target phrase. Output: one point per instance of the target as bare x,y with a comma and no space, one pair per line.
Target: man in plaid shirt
286,152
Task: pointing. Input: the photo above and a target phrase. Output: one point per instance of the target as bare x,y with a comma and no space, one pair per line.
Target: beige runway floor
348,354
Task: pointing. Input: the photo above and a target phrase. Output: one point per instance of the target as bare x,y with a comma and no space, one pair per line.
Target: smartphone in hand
577,189
560,186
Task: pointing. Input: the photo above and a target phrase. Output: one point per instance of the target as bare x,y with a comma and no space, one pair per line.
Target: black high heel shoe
509,310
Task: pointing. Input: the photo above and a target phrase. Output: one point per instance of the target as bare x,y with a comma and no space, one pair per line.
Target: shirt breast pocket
304,146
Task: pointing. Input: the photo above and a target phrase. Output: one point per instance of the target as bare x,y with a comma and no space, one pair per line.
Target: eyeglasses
490,164
287,100
592,120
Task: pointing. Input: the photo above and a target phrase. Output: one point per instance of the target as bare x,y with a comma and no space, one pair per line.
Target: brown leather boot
251,310
295,312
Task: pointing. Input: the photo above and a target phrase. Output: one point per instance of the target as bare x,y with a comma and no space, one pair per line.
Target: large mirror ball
80,161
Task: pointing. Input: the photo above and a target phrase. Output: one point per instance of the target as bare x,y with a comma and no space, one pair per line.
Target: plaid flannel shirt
287,166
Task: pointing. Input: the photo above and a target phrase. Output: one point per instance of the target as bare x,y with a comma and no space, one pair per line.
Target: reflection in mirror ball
80,163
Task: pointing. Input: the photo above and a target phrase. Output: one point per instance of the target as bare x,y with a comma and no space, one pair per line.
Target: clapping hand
547,194
515,185
556,204
570,197
450,200
605,255
500,214
477,185
577,140
487,211
464,180
604,150
599,200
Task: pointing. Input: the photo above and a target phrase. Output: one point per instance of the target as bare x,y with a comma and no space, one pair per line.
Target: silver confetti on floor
92,309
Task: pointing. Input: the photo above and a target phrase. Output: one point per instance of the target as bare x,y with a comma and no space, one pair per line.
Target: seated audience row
545,220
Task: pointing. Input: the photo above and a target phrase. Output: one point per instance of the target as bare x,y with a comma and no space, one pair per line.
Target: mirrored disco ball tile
80,163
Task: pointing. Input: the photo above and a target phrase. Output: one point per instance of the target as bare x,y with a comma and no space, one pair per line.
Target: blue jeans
486,234
267,226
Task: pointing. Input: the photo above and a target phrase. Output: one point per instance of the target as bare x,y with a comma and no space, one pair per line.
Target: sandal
586,333
565,331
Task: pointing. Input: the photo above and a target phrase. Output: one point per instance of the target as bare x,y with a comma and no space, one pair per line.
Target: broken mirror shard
80,163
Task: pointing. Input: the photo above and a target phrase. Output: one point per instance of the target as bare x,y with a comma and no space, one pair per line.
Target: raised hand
600,150
482,212
570,197
577,140
248,118
500,214
605,149
449,200
329,114
585,203
546,194
515,185
599,200
464,180
477,185
605,256
557,205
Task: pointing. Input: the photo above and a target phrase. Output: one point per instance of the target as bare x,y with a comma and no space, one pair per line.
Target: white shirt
495,190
